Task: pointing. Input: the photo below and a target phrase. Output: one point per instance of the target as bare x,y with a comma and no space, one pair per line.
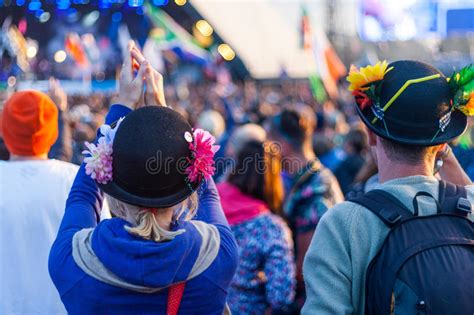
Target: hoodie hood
239,207
112,255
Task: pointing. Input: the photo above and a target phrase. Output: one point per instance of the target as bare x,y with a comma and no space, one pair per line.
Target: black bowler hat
422,114
150,155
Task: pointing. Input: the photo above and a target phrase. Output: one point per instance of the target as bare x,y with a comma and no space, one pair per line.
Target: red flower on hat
362,99
203,149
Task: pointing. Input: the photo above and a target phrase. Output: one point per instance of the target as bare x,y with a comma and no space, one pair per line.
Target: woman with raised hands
169,247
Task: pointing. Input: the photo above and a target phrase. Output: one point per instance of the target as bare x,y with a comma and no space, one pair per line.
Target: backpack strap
313,168
175,295
453,199
385,206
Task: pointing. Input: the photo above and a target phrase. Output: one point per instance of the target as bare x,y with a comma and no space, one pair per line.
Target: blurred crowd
339,139
326,140
221,109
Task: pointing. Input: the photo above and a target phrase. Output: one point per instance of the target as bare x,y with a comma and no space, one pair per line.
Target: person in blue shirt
169,247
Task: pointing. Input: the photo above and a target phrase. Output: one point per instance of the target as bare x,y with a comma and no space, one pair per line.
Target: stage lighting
31,52
226,52
204,27
38,13
44,17
117,17
160,3
135,3
22,25
180,2
60,56
63,4
34,6
91,18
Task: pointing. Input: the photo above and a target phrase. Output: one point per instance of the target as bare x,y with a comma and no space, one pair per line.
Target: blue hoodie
103,269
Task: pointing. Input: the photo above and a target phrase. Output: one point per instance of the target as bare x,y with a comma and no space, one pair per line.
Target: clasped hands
143,89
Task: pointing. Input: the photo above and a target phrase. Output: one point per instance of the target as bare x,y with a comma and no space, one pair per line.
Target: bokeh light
60,56
31,52
90,18
226,52
11,81
204,28
44,17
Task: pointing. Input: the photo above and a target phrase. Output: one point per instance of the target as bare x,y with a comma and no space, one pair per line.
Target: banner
329,67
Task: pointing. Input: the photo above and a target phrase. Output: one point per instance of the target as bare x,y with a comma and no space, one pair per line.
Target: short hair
322,144
410,154
293,125
247,133
213,122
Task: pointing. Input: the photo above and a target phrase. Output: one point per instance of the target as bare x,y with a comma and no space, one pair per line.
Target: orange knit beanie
29,123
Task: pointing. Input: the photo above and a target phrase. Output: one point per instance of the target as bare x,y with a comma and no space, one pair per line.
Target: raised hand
130,87
57,94
155,93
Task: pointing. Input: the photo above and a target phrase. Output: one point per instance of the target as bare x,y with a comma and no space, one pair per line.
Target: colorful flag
76,51
175,37
329,66
18,44
317,88
305,30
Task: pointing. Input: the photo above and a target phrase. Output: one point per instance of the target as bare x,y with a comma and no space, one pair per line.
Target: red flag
76,51
305,31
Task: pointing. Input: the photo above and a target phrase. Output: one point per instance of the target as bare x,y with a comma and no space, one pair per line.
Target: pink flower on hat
99,161
203,149
99,156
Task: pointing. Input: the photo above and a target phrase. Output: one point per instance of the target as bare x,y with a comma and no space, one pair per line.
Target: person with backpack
169,248
406,246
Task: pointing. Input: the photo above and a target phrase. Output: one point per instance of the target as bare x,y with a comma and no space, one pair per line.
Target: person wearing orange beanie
29,123
33,192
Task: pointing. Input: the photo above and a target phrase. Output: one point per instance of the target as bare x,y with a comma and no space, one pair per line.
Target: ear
440,150
372,138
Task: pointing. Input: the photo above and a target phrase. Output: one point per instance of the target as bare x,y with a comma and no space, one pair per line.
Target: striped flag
329,66
175,38
305,30
76,51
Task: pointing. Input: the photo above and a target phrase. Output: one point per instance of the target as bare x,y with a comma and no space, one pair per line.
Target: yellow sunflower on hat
361,78
365,83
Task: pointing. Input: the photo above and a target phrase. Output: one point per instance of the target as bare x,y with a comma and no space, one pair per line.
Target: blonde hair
273,188
145,222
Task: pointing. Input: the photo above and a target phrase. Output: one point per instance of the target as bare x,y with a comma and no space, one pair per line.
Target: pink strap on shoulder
175,296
